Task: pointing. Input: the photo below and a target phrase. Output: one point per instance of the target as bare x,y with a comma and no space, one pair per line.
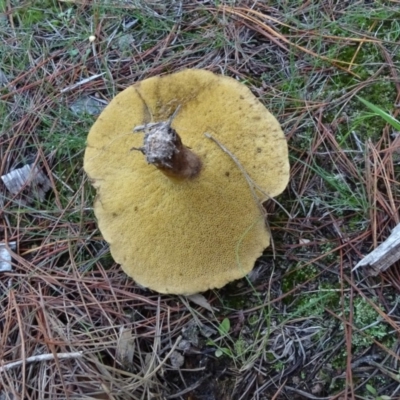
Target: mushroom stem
163,148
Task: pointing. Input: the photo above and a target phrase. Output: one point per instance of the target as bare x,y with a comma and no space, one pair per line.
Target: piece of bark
5,256
385,255
29,180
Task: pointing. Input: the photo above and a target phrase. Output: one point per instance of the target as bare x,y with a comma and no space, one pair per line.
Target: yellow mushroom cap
186,236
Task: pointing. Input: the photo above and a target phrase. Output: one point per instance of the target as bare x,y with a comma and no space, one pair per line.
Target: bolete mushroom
185,215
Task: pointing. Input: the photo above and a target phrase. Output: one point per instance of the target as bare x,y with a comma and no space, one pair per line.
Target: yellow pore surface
188,236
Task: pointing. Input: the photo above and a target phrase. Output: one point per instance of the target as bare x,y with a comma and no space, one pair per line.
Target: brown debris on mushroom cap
186,236
163,148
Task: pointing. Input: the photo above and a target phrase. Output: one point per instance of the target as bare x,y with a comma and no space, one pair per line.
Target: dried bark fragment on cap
163,147
185,236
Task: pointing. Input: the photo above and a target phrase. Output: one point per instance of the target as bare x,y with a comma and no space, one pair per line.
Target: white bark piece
28,177
385,255
5,256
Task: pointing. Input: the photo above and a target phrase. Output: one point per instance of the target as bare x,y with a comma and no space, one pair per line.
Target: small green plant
374,393
223,329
